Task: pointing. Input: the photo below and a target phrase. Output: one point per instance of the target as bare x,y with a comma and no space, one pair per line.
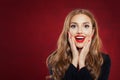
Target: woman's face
81,29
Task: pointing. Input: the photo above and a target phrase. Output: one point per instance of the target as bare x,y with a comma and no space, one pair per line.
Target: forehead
80,18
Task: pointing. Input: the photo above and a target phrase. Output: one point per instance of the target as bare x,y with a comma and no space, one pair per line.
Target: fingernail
69,35
88,40
92,36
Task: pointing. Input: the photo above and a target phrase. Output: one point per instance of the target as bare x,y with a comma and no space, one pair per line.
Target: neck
79,49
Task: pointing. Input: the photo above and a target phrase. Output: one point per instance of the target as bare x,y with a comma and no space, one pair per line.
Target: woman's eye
86,26
73,26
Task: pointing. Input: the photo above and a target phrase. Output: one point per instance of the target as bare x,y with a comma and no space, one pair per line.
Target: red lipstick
79,38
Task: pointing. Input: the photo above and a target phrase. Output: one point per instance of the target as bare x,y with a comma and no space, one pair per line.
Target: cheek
88,32
72,31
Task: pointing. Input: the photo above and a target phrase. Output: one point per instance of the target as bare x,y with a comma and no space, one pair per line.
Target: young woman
78,55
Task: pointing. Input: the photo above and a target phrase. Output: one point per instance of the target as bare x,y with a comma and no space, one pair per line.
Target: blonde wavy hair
59,61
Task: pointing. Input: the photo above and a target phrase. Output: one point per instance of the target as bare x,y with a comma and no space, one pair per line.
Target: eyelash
73,26
86,26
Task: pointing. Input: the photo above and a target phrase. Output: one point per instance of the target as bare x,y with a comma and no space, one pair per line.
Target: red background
29,31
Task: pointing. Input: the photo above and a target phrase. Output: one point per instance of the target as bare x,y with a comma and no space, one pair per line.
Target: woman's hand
74,50
83,53
79,56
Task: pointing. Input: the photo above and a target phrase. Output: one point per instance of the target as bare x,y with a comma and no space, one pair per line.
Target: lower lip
80,41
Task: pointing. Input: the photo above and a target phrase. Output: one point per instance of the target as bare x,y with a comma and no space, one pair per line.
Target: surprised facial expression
81,29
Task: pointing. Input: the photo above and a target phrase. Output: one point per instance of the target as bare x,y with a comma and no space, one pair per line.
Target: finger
69,37
72,43
87,44
88,41
86,47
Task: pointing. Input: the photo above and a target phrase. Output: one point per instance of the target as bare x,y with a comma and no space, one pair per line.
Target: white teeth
79,37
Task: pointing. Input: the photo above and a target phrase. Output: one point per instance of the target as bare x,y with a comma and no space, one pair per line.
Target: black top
73,73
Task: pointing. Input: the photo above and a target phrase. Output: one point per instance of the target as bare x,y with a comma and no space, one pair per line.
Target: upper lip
79,36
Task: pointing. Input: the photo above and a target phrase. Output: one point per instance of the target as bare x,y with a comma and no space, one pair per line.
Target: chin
79,45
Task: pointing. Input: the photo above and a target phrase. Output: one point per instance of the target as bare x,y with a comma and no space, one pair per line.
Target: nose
79,31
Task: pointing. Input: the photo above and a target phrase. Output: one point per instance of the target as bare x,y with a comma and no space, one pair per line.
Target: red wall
29,31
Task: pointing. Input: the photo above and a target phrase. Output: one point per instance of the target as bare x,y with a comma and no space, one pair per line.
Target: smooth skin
80,24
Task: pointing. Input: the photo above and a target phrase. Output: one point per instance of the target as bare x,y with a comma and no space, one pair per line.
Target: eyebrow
73,23
86,23
83,23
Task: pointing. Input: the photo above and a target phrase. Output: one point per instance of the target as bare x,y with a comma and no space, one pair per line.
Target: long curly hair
59,61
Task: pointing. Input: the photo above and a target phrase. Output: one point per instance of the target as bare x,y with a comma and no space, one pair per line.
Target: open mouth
79,38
